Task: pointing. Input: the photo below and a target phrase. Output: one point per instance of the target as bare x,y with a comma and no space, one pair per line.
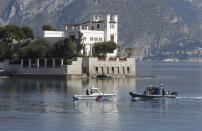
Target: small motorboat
93,94
154,92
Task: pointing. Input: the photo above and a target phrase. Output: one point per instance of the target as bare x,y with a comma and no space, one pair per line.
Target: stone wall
114,67
18,70
63,70
76,67
92,66
4,64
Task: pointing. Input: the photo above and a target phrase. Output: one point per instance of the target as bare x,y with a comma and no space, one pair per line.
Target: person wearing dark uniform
87,92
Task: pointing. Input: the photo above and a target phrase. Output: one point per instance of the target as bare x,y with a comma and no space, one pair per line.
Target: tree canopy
28,33
129,51
2,51
64,48
11,34
18,42
39,48
102,48
79,44
48,27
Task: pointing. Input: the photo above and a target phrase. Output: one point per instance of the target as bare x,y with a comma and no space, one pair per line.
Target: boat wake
199,97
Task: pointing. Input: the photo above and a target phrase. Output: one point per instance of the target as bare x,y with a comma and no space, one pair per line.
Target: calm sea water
45,104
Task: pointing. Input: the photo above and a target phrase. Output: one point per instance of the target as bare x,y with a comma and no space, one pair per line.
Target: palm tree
130,51
118,51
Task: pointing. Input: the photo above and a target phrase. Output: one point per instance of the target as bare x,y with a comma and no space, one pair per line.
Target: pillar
115,70
22,63
66,27
30,63
131,69
61,62
53,60
84,50
110,70
45,63
37,63
107,70
91,52
99,70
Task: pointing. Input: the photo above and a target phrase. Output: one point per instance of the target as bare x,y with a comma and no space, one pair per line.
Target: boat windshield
94,91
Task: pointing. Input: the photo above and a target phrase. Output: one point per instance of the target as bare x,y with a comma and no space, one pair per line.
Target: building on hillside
97,29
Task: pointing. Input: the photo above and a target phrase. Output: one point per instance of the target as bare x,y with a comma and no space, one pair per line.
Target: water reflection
154,104
46,103
48,94
25,101
92,113
106,85
93,106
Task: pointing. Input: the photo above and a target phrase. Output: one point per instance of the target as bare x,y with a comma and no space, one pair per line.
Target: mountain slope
191,13
146,25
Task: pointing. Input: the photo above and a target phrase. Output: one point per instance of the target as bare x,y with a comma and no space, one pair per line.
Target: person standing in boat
164,91
87,91
161,89
161,84
149,91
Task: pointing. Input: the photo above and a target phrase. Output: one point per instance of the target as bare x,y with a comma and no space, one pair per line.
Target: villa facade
97,29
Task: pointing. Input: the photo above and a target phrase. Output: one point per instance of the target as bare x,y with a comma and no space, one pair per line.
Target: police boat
154,92
93,94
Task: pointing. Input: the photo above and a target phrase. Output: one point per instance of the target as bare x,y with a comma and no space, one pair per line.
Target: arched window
128,69
113,70
98,26
96,70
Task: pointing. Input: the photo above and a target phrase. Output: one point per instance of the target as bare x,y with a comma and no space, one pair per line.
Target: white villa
98,29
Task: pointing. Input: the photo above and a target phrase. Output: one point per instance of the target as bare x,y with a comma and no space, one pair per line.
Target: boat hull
94,97
136,95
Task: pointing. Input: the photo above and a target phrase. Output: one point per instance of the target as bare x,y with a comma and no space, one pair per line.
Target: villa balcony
111,59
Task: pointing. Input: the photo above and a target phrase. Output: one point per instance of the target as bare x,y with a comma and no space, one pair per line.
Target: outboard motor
75,97
174,93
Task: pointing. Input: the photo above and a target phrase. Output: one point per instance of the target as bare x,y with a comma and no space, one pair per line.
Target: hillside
191,13
146,25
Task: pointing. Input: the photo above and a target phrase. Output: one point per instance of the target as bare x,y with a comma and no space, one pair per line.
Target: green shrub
69,61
